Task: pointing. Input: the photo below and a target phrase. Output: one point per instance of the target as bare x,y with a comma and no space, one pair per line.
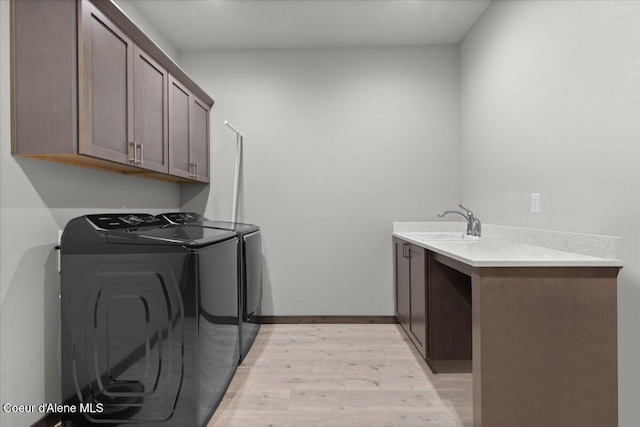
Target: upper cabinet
150,113
188,133
90,89
199,141
106,88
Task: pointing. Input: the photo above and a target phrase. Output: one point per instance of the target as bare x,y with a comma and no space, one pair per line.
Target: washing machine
149,320
250,270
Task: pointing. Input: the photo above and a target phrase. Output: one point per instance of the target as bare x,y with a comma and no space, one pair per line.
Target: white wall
142,22
36,200
550,103
338,144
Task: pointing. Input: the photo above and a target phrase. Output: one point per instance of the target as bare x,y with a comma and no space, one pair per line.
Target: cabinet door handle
404,250
195,170
137,158
132,151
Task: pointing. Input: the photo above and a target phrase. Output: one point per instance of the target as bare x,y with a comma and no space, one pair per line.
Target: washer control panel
120,221
182,217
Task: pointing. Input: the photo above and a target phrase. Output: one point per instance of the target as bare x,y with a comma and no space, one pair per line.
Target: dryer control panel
126,220
181,217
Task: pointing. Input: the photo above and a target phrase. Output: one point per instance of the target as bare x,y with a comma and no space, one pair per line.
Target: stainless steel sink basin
441,235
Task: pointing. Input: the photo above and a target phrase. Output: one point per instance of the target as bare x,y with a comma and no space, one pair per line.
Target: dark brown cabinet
518,330
403,285
411,292
418,281
433,305
189,133
151,114
90,89
199,142
106,82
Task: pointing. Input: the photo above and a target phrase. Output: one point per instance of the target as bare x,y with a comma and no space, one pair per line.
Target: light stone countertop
518,247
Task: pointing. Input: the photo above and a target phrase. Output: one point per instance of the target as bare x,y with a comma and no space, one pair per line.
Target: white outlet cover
535,202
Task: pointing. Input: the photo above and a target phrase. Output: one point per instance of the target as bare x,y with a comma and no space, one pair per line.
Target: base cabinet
532,337
411,292
433,305
418,303
402,281
545,347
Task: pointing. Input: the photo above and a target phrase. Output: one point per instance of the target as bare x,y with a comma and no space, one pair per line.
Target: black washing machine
250,270
149,320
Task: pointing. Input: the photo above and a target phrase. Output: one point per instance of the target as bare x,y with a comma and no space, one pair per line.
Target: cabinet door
150,102
179,133
418,290
403,296
106,98
199,141
188,134
44,77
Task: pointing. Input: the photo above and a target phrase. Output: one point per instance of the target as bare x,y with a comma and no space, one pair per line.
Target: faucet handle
469,213
477,227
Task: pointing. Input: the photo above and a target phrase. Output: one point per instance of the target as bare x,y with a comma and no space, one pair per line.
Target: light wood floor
341,376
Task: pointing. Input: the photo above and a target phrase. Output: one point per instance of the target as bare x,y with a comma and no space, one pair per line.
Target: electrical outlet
535,202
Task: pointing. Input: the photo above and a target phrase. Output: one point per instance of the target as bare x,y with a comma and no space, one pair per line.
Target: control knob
131,219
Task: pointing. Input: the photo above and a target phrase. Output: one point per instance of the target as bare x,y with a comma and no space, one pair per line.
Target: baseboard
329,319
450,366
49,420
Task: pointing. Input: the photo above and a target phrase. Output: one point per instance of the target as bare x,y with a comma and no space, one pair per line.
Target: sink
441,235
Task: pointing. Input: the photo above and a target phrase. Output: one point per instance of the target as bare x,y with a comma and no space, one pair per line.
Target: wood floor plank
387,382
350,399
261,380
249,399
299,419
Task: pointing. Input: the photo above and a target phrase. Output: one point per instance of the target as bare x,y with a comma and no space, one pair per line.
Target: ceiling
280,24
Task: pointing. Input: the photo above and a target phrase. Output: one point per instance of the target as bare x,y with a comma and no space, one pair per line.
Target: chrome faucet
474,226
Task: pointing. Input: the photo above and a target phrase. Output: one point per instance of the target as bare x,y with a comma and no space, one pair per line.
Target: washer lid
192,219
238,227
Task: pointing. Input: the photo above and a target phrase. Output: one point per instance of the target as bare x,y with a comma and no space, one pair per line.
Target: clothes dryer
250,270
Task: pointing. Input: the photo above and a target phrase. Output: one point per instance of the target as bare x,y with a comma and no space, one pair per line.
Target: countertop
490,251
